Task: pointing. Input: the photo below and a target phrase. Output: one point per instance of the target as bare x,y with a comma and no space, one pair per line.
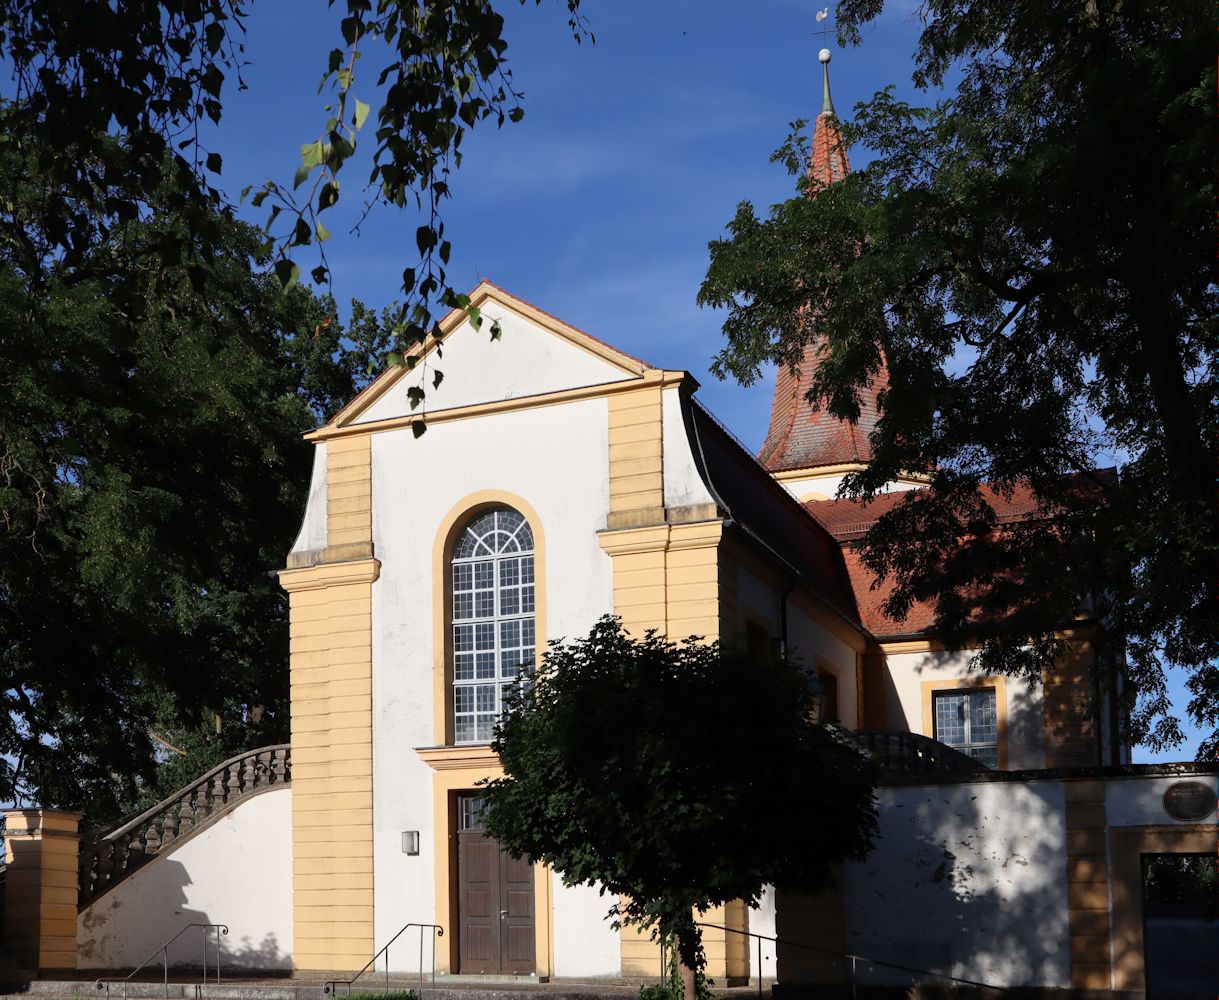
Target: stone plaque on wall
1189,800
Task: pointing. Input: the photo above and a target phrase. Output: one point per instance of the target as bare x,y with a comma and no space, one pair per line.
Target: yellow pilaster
40,852
666,577
1070,726
332,861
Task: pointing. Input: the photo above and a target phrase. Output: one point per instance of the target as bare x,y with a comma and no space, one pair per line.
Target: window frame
969,745
451,525
963,685
491,596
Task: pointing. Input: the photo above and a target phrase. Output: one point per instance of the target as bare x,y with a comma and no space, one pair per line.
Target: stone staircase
111,855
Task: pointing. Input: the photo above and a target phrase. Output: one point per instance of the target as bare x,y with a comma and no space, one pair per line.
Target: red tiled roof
801,437
827,160
848,520
765,510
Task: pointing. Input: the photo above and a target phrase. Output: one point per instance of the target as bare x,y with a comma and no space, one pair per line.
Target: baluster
217,790
249,773
105,864
200,808
127,851
152,836
233,781
169,822
186,813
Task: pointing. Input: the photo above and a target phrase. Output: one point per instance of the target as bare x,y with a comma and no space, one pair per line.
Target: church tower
808,450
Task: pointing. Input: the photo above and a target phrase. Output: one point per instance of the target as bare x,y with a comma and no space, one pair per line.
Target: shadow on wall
967,880
133,921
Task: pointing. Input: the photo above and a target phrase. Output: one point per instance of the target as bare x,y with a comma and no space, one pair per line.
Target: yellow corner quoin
330,616
647,564
40,854
349,491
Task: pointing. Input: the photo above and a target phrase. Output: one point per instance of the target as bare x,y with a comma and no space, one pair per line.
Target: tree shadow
967,880
133,922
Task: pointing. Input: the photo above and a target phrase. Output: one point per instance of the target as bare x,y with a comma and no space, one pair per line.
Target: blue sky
633,154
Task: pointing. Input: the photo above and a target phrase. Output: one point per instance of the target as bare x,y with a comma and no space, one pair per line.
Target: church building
560,480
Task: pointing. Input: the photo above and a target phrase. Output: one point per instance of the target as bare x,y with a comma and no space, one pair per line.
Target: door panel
478,902
495,904
517,893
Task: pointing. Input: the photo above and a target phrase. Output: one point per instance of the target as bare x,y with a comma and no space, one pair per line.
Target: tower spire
827,161
800,437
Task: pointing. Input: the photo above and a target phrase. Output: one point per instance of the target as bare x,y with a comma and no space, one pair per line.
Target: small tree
677,776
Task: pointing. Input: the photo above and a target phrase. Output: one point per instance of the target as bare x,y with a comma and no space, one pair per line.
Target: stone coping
1174,770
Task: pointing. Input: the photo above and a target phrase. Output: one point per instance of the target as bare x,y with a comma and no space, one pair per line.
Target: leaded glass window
493,618
969,721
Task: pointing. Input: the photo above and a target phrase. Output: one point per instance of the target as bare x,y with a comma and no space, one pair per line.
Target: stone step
446,988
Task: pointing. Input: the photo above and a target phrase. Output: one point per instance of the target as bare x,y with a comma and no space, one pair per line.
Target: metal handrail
163,951
331,986
845,954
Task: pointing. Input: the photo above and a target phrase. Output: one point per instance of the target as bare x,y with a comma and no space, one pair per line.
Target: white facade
502,454
525,361
825,485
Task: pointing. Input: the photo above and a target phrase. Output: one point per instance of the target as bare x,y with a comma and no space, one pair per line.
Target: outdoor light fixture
410,841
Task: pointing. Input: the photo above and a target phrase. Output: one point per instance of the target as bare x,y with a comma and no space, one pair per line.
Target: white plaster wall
683,485
584,942
762,921
526,361
1139,801
237,872
966,880
312,535
905,674
809,641
556,459
828,487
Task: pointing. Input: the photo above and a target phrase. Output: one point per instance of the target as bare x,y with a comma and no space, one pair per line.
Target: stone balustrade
116,853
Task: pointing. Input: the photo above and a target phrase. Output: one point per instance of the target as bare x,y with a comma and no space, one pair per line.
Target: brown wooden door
495,901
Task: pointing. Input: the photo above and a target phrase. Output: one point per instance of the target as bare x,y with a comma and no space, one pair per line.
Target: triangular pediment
536,354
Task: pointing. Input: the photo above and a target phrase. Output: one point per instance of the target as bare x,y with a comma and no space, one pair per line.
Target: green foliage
149,73
152,476
1182,880
387,995
677,776
1032,256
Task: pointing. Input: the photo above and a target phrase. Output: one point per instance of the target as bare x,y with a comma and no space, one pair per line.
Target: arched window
493,624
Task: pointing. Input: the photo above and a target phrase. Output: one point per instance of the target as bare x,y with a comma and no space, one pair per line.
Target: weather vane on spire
824,56
823,15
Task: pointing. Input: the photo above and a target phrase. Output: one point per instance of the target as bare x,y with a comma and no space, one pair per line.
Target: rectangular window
968,720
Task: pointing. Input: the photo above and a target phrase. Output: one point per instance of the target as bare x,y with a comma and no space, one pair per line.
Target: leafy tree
677,776
152,475
1032,256
152,74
